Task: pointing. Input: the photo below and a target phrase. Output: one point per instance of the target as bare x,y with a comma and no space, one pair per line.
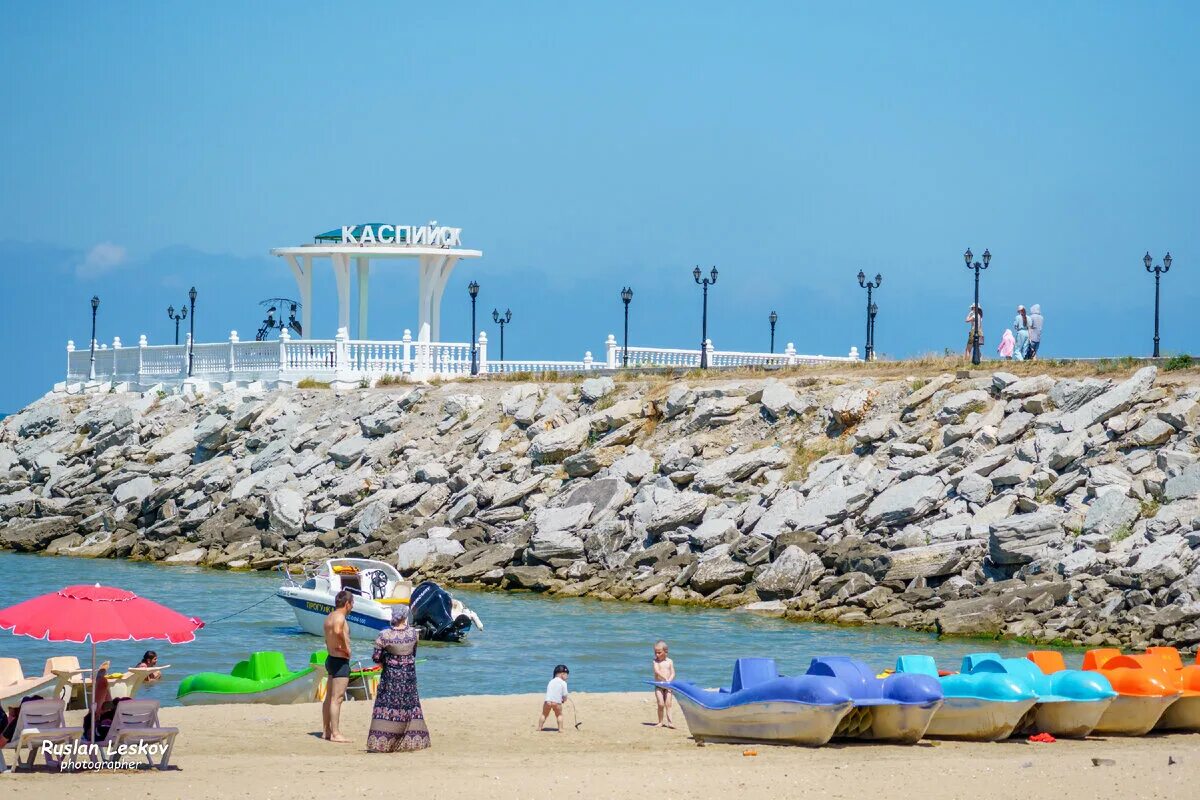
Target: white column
431,267
303,275
341,272
435,300
364,269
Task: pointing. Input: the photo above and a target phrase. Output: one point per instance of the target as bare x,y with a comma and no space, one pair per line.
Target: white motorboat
376,587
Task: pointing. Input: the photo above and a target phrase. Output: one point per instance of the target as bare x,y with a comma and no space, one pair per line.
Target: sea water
607,645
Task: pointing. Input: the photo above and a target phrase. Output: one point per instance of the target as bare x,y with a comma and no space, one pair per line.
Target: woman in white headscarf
974,318
397,722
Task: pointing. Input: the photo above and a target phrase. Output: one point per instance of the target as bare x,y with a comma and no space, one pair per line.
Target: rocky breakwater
1044,507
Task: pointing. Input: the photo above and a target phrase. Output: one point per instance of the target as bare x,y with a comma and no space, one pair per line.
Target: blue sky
146,148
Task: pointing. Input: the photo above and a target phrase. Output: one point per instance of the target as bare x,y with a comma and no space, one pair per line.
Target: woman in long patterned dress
397,722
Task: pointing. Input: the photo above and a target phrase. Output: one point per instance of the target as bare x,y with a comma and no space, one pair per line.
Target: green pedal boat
262,678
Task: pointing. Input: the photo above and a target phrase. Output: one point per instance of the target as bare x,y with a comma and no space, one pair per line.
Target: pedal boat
1070,702
262,678
14,685
1145,690
762,707
981,703
1184,713
897,708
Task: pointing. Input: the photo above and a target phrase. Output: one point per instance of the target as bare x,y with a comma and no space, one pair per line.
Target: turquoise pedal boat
984,705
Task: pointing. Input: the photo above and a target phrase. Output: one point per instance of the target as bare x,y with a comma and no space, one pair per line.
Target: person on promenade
397,722
1007,345
1021,326
1035,330
974,317
556,695
337,665
149,660
664,671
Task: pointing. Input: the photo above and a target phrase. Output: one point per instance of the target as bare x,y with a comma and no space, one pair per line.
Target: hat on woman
399,613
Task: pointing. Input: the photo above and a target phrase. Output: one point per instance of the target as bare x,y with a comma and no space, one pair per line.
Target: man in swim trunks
337,665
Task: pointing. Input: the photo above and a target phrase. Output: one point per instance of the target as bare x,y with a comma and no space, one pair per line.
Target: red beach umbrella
97,614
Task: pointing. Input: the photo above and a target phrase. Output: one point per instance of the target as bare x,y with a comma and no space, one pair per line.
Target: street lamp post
773,318
873,311
709,281
975,314
191,328
92,368
183,312
502,321
869,349
1158,272
473,290
626,297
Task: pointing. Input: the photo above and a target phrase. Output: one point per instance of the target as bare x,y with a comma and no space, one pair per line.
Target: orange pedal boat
1184,713
1145,688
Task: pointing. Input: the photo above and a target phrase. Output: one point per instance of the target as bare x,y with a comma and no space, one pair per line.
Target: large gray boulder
956,407
793,571
1028,387
1110,512
555,546
715,573
712,532
415,553
739,466
557,443
604,497
1152,432
133,491
285,511
1068,395
1120,398
823,507
593,389
348,451
1022,538
212,431
851,406
974,488
778,401
1184,485
905,501
682,508
570,519
934,560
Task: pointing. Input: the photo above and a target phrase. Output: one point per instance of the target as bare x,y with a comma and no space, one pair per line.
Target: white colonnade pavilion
436,249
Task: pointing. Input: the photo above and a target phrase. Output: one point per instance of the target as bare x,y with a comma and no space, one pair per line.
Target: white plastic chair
136,722
40,721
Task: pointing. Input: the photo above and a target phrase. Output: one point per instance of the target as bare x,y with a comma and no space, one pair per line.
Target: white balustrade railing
343,360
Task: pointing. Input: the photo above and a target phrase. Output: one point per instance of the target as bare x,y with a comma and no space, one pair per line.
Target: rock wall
1044,507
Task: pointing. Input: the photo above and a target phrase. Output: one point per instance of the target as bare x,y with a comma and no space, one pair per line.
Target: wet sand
486,748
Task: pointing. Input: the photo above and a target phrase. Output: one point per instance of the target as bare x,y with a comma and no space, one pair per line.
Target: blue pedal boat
897,708
982,703
1070,702
762,706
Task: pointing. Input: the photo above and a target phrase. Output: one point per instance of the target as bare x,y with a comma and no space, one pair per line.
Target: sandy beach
486,747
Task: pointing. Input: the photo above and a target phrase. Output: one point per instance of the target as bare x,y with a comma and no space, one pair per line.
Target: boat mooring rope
247,608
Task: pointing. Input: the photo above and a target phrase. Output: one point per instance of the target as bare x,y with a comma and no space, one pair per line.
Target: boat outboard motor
431,615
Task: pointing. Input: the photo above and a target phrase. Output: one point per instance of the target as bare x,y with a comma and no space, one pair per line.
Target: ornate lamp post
502,321
192,328
773,318
874,310
177,317
869,350
473,290
626,297
1158,272
709,281
92,368
987,259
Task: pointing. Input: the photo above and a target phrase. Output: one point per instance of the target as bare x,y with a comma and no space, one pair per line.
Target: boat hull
301,690
1130,715
311,611
977,720
901,723
1182,715
765,722
1067,719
